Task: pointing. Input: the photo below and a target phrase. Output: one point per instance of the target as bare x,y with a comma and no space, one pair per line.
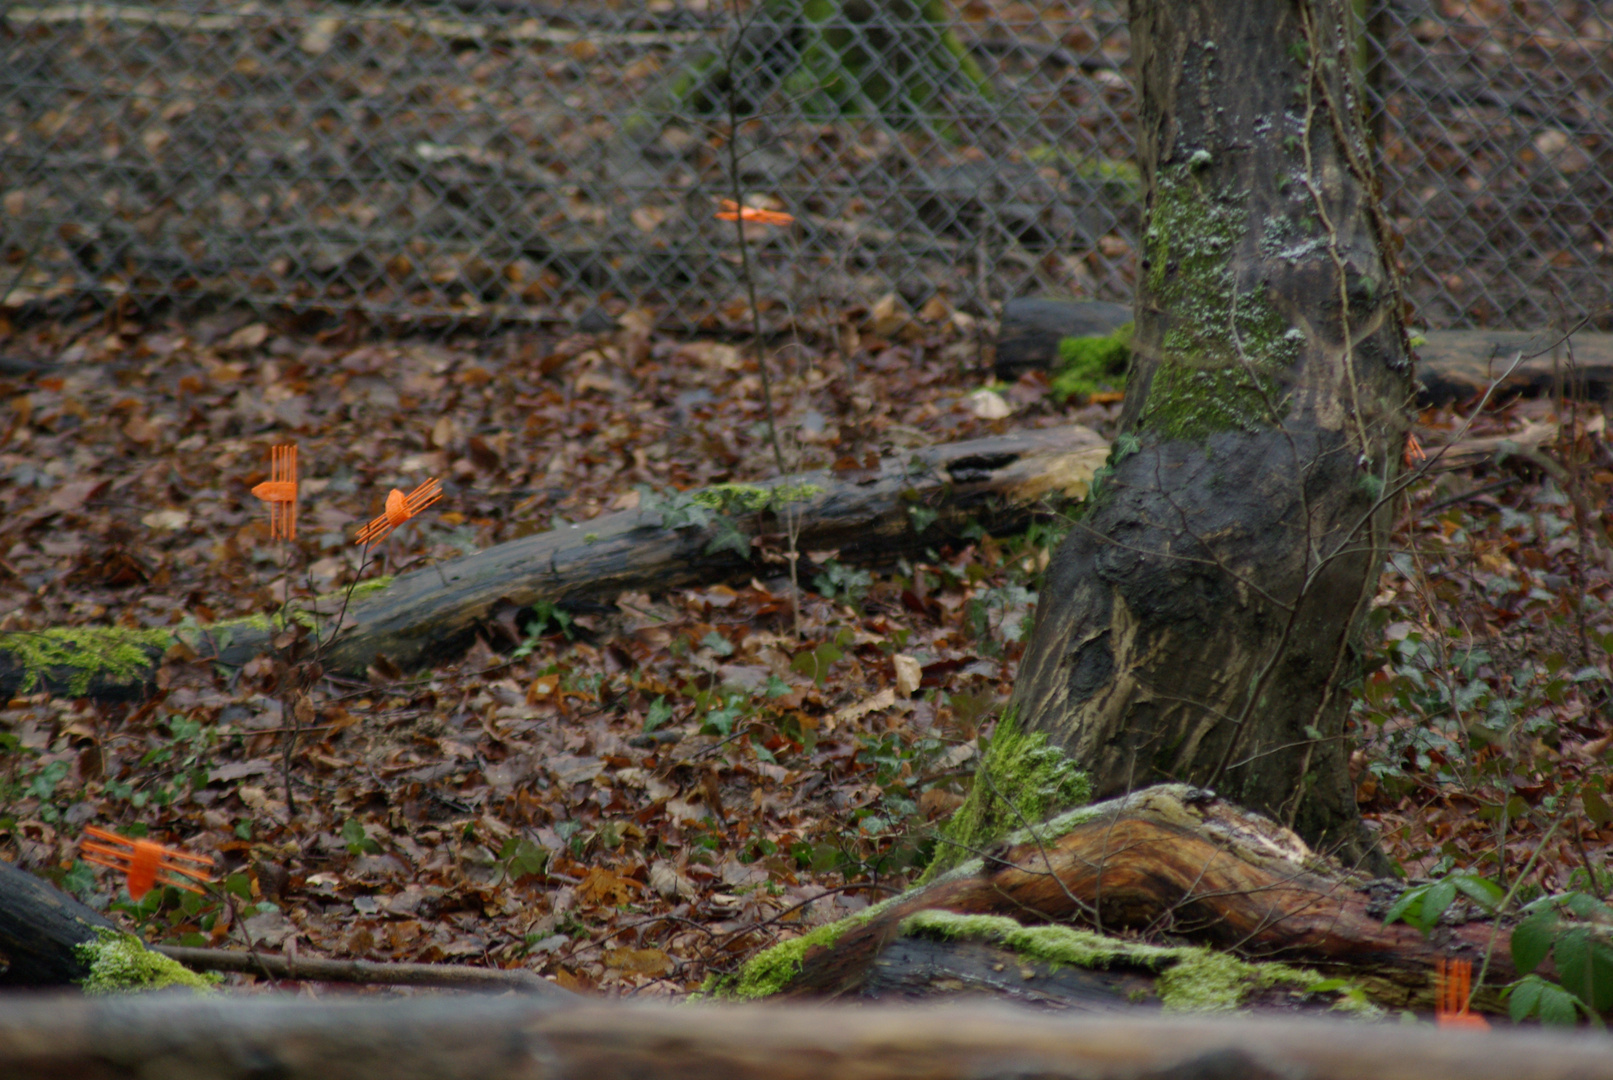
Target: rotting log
40,929
1000,483
1171,862
451,1038
1453,365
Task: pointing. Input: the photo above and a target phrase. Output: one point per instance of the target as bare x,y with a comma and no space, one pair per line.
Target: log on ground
1171,863
1453,365
40,930
456,1038
870,515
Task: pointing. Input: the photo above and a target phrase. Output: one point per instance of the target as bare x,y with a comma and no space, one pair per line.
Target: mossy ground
1021,782
118,655
120,964
1089,365
770,970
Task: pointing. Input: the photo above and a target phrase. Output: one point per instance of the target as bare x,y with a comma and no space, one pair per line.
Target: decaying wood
997,482
1173,860
1453,365
455,1038
40,927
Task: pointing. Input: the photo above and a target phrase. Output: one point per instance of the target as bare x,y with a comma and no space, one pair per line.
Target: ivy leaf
1531,940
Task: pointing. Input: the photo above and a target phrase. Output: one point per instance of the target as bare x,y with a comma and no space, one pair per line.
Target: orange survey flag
400,508
280,492
1452,988
143,863
732,211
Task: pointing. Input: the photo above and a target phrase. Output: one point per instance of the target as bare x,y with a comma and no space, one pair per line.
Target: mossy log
1453,365
870,515
457,1038
1263,918
41,928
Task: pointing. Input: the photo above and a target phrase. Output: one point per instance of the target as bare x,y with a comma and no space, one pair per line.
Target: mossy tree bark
1197,624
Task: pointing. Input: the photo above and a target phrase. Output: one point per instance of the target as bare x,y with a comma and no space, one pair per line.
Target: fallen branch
319,969
903,505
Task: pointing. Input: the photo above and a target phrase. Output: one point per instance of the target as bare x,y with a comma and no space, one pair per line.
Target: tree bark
40,929
1197,624
455,1038
870,515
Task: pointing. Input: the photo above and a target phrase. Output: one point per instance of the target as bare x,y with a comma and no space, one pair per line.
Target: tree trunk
1197,624
40,930
900,505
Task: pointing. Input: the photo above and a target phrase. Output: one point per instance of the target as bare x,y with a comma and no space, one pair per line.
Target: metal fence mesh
503,159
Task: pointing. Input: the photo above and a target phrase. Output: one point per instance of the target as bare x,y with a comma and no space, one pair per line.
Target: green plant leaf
1557,1006
1524,999
1439,897
1531,940
1585,966
1482,891
1407,907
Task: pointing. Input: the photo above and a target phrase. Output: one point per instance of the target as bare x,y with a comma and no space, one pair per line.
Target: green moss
752,498
770,970
1189,979
117,654
120,964
1090,364
1225,350
373,585
1021,781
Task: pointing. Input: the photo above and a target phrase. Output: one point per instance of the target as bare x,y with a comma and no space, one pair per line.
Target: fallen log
1453,365
870,515
1169,863
455,1038
40,930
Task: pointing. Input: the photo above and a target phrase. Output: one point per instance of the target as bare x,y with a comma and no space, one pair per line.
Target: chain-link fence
520,160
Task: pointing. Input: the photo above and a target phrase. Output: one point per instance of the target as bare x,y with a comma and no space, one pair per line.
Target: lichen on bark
1226,349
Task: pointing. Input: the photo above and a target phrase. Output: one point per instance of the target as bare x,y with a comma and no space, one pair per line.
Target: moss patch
118,655
120,964
1088,365
365,588
1188,979
770,970
752,498
1021,781
1225,350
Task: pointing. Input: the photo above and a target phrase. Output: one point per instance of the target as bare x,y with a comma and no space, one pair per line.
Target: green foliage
1575,931
1422,905
1088,365
815,662
844,583
357,841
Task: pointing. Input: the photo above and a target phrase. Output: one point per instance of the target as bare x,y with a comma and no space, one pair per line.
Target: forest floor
635,796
